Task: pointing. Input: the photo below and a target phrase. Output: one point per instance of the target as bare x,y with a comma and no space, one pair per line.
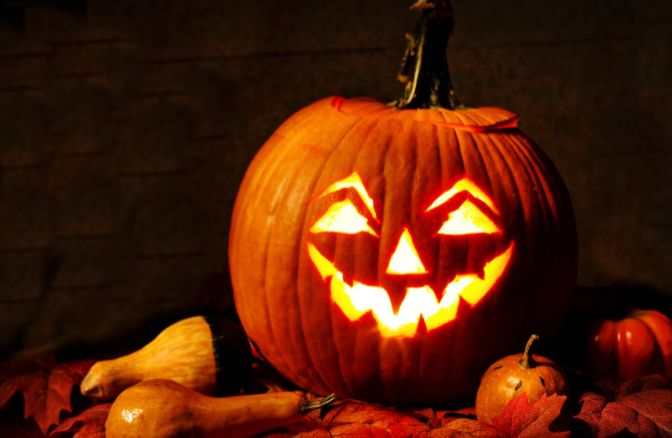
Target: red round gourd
638,345
391,253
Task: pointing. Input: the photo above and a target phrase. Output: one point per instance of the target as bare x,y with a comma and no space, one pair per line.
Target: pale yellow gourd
184,352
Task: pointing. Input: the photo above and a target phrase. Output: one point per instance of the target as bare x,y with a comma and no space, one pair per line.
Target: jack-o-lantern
390,253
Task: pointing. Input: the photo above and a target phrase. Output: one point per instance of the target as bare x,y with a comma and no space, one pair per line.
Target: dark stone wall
126,127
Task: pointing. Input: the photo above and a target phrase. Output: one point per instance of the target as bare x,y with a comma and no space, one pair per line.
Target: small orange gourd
514,375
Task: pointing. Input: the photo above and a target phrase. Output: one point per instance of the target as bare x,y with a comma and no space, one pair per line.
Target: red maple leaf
520,419
45,386
642,407
88,424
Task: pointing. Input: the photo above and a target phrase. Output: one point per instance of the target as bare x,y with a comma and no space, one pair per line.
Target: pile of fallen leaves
51,406
47,392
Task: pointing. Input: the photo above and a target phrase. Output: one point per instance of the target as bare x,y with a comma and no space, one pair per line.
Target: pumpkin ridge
369,125
528,206
482,153
657,352
423,347
380,171
345,366
398,144
392,142
264,164
551,192
544,190
268,173
300,339
521,155
294,142
650,317
413,193
389,140
466,150
621,349
332,153
424,354
538,204
514,193
553,203
438,170
540,167
517,195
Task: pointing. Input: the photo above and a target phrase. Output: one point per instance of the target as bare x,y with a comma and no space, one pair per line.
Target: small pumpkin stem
424,66
307,406
527,361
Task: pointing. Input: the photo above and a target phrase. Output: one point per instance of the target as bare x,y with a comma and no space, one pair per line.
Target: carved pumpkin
637,345
391,253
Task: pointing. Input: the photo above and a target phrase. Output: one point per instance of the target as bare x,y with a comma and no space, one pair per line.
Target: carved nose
405,258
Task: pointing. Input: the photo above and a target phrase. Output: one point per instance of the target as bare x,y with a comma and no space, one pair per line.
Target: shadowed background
126,127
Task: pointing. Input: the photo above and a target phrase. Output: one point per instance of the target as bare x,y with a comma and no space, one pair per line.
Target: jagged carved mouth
357,299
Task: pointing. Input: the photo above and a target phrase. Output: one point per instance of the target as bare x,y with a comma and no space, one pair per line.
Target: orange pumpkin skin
405,158
635,346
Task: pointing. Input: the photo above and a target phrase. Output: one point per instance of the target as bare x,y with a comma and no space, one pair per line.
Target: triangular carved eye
342,217
468,219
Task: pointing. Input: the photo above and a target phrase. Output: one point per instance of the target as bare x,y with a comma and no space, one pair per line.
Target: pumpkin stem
424,66
307,406
527,361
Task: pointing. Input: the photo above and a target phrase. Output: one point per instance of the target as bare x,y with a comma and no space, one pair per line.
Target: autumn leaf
463,428
441,417
446,417
25,366
642,407
359,419
46,388
88,424
642,384
318,433
520,419
369,419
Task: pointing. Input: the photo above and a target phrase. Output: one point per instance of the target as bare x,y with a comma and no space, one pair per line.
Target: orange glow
353,182
463,185
405,258
342,217
468,219
420,302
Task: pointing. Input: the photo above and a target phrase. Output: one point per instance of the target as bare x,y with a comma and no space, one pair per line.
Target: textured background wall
126,126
